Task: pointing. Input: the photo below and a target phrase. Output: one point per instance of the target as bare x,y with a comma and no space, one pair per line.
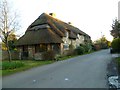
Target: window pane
40,48
66,47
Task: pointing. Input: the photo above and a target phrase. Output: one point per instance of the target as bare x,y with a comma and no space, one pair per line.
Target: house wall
31,52
33,55
38,56
20,52
80,40
61,48
76,42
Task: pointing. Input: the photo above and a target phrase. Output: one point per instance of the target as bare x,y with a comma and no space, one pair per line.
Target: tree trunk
9,53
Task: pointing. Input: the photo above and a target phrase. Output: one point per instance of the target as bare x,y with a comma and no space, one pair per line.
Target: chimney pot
52,14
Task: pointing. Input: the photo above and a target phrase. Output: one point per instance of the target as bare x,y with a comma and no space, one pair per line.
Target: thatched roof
46,29
39,36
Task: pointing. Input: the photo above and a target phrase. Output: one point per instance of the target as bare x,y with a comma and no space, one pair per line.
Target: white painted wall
76,42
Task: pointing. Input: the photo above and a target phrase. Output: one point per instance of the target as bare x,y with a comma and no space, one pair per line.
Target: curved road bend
86,71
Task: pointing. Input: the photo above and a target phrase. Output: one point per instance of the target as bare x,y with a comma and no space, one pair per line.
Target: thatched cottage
49,33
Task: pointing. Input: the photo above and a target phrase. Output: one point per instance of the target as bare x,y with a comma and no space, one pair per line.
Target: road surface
86,71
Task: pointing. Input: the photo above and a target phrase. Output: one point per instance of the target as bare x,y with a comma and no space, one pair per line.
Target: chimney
52,14
69,23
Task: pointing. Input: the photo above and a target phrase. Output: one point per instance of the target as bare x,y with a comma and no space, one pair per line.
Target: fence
14,55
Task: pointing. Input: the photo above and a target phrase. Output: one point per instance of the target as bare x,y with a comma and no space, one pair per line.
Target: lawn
22,65
17,66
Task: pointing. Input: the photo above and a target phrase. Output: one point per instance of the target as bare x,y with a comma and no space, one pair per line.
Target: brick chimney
52,14
69,23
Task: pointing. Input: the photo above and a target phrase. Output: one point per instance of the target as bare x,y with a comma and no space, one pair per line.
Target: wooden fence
14,55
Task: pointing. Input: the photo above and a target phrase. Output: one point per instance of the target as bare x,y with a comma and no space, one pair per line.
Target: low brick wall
68,52
14,54
38,56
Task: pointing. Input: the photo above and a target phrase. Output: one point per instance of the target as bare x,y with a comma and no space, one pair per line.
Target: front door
25,52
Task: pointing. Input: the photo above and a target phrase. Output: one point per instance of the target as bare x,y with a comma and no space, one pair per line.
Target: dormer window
42,26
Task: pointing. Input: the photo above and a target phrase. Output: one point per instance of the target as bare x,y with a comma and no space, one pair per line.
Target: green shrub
71,47
70,52
49,55
87,47
80,50
116,44
97,47
11,65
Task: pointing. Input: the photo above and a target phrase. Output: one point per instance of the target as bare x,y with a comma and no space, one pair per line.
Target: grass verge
118,61
27,64
22,65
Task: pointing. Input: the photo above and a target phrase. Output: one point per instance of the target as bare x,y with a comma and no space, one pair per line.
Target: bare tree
8,23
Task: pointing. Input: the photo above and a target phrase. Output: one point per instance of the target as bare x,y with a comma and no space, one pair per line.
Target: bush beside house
83,48
115,45
80,50
49,55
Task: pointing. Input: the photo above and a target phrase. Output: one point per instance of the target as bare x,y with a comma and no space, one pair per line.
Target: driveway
86,71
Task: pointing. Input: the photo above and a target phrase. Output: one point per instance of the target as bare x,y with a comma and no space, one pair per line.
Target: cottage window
66,47
43,47
56,47
40,48
25,48
25,51
42,26
77,45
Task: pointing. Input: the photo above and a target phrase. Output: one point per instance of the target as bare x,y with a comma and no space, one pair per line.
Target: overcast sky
91,16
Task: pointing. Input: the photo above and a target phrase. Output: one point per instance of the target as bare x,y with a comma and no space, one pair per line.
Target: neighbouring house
49,33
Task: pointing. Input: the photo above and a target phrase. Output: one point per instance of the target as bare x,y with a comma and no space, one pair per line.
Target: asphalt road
86,71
